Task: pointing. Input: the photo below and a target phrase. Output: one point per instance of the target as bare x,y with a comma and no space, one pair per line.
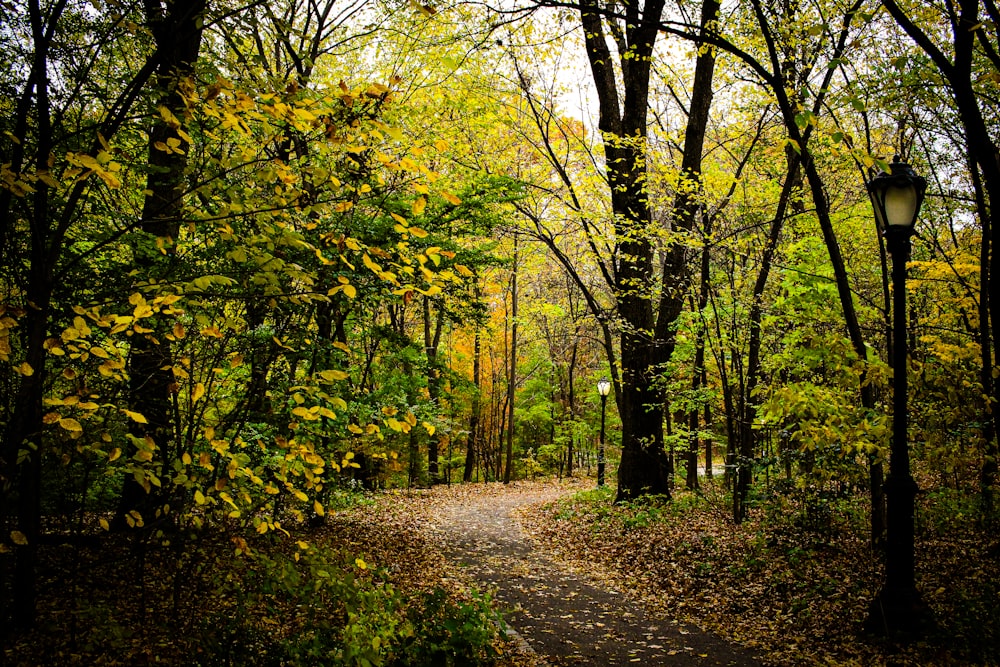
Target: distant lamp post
603,388
896,198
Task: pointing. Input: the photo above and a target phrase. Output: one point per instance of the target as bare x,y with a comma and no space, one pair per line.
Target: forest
278,277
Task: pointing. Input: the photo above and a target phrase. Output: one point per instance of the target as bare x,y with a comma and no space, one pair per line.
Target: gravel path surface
565,617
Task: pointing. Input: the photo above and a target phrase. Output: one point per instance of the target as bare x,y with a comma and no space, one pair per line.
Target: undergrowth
795,579
364,590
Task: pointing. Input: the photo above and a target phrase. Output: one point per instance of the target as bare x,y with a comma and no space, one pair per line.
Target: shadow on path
565,618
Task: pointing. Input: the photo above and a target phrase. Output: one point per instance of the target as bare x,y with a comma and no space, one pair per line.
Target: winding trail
564,617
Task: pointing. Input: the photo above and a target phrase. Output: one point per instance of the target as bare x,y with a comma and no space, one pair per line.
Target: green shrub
450,632
335,612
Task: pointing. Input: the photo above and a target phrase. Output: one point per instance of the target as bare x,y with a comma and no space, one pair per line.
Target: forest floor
661,582
564,615
582,581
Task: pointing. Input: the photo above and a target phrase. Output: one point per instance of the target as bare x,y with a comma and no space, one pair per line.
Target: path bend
566,618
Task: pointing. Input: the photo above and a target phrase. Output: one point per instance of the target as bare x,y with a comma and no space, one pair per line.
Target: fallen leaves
799,596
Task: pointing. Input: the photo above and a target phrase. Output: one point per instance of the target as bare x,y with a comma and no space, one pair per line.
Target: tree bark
473,445
177,30
512,381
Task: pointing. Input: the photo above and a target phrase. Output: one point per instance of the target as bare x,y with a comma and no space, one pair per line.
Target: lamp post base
899,614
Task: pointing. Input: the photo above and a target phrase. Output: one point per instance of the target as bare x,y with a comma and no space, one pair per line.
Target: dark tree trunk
512,381
747,409
787,72
473,445
24,430
177,30
432,340
644,466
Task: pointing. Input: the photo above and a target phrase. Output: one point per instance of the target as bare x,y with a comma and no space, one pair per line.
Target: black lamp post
896,197
603,388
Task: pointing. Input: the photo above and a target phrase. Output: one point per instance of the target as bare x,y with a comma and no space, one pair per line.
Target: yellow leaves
18,538
24,368
6,324
362,565
167,116
318,508
377,90
304,114
197,392
18,184
142,309
429,428
433,290
199,497
104,524
370,264
395,424
419,205
305,413
395,133
172,145
115,454
137,417
333,375
69,424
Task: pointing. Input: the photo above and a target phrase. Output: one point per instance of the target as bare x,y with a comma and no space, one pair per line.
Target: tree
970,50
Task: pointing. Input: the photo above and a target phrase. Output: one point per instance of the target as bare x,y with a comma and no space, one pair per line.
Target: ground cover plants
363,589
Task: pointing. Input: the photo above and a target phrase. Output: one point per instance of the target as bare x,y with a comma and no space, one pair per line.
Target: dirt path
566,618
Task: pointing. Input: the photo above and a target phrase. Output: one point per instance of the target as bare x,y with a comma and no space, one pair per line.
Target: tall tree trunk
473,445
512,382
177,30
432,341
786,74
707,419
698,375
24,430
622,121
571,401
747,408
983,150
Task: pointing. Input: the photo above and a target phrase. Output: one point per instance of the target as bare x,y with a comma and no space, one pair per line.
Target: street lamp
896,198
603,388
